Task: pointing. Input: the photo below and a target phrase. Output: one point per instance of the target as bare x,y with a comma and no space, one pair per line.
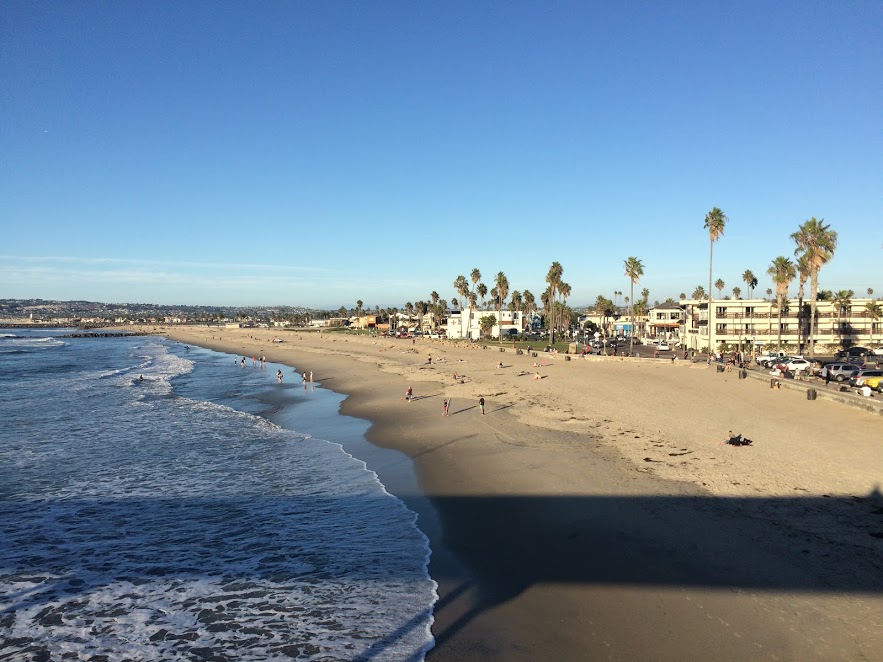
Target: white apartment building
754,323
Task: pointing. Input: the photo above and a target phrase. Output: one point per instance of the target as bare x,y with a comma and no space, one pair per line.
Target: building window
721,311
722,328
749,310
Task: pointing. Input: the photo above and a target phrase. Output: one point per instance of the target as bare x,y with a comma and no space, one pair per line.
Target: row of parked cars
855,366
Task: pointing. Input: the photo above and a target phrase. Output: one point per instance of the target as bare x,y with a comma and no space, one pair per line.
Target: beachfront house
665,320
466,324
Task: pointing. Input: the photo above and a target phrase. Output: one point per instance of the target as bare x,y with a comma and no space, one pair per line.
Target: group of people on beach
446,405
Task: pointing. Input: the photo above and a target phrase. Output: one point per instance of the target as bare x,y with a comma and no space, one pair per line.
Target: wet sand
593,513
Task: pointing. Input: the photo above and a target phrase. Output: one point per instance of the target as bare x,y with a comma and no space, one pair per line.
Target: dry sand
593,513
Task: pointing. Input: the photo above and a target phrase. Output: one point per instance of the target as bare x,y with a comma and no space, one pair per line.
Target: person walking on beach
311,376
481,405
445,408
305,380
409,394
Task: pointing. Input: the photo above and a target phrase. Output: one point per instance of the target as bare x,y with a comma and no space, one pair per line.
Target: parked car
663,346
779,359
859,377
853,351
875,383
840,371
797,365
877,351
768,357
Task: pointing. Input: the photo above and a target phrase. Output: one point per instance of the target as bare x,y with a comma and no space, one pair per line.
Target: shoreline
553,531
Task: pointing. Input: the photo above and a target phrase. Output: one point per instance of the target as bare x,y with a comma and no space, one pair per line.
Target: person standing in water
279,376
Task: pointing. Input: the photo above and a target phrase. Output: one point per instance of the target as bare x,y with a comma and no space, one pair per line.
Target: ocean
154,505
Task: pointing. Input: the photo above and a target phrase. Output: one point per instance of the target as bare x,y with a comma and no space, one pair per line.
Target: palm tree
715,221
842,301
750,281
564,292
634,269
699,293
870,292
737,292
682,296
782,271
875,310
769,291
719,285
817,242
529,302
461,287
502,288
553,278
359,305
802,277
481,289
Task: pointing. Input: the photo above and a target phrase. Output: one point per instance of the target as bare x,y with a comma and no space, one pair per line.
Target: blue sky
316,153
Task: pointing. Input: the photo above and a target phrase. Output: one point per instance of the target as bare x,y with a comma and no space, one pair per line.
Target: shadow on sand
505,545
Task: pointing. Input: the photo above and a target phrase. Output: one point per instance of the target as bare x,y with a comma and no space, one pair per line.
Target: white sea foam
145,525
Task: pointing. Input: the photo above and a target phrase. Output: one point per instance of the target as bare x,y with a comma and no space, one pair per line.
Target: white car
877,351
663,346
797,365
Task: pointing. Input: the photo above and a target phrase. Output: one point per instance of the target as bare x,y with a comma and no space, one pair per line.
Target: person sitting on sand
736,440
536,375
500,364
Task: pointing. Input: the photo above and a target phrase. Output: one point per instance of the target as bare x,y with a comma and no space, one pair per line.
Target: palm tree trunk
800,320
708,328
632,311
779,345
813,292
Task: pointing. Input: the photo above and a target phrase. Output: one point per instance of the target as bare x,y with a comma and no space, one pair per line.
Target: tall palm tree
564,293
750,281
530,302
461,287
553,278
359,305
481,289
502,288
870,292
875,310
737,292
802,277
715,221
634,269
782,271
682,296
645,294
699,293
515,301
842,301
817,242
719,285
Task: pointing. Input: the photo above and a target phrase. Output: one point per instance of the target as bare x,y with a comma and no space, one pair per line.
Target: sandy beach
593,513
